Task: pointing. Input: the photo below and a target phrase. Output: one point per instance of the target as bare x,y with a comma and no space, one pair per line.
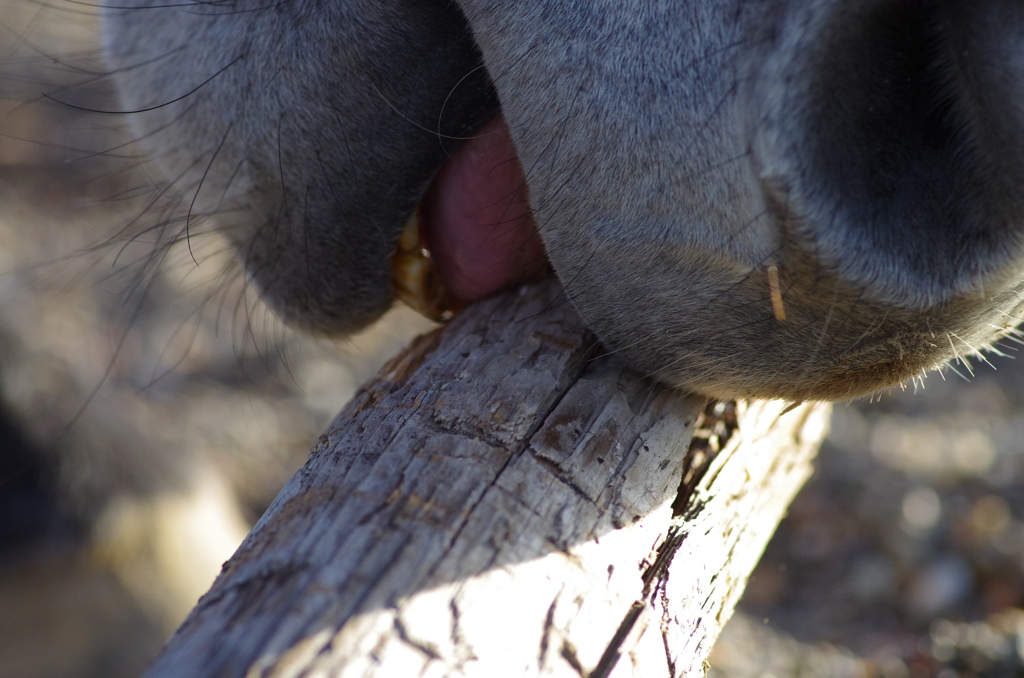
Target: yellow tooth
414,280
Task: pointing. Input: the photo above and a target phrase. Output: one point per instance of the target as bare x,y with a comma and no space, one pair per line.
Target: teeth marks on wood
404,366
532,371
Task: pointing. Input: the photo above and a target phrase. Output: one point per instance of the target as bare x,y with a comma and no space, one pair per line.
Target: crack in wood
665,628
653,577
611,654
570,655
712,432
658,570
454,632
545,637
422,646
716,425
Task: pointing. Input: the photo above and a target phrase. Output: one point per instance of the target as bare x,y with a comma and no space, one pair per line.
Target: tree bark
506,498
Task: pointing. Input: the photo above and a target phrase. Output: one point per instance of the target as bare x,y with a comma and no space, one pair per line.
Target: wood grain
506,498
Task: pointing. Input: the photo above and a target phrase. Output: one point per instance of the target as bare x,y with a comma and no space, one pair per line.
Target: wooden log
506,498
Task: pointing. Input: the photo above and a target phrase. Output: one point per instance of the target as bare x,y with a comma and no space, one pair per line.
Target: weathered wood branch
506,499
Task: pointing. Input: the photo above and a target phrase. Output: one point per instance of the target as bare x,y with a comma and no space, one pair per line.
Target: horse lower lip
477,219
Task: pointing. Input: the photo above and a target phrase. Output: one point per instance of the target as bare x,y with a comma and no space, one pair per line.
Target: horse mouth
472,234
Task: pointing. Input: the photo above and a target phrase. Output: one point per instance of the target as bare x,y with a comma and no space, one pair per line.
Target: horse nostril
910,94
901,143
890,118
894,94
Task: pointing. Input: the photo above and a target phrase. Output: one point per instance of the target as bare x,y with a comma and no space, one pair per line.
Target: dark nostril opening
908,89
891,126
897,155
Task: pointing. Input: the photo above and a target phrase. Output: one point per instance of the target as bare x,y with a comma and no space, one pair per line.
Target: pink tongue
477,219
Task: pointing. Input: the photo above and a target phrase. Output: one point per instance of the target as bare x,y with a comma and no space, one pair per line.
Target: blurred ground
904,555
148,413
147,417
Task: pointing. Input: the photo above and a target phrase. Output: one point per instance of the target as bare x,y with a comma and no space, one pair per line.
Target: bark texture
505,498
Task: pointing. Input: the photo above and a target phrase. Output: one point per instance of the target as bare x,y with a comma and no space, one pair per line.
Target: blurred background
150,409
